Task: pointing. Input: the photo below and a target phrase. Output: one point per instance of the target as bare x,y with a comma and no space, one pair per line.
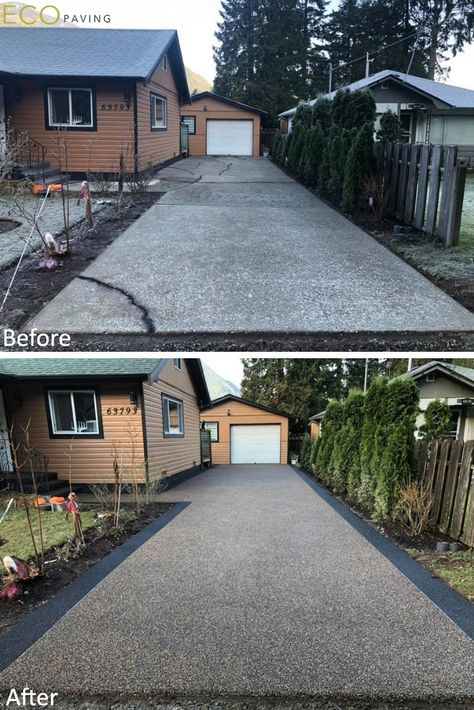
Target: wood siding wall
155,147
91,458
167,456
211,109
241,413
88,151
315,430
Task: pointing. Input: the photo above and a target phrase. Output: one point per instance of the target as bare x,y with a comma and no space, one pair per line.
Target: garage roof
233,397
225,100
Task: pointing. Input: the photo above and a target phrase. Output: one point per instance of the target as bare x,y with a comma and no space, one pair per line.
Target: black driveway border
24,634
453,604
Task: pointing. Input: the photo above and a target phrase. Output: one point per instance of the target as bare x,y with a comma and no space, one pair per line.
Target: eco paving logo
23,15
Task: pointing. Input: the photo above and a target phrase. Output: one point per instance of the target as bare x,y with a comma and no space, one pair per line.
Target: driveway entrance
259,587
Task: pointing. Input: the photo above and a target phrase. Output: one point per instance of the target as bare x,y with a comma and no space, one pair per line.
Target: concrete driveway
259,587
235,245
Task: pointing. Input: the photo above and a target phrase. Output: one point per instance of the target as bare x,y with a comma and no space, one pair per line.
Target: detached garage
220,126
244,432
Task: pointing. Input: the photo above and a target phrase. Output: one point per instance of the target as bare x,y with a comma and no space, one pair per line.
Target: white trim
76,430
177,364
180,430
164,100
52,89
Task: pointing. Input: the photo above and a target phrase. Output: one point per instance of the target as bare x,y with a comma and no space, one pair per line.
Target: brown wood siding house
229,412
130,415
102,93
207,107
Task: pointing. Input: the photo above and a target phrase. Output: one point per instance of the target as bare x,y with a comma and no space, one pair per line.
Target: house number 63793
118,411
115,107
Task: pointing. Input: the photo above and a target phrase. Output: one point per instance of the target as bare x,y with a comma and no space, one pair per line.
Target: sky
196,22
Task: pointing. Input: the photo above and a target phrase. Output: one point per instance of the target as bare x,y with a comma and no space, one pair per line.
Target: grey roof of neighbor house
74,52
459,372
452,96
318,416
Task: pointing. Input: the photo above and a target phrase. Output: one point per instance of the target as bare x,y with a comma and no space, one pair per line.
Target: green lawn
467,224
456,568
56,530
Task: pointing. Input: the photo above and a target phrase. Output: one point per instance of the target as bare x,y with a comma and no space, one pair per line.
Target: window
213,427
190,122
159,110
454,424
173,416
177,363
70,108
430,377
164,63
74,413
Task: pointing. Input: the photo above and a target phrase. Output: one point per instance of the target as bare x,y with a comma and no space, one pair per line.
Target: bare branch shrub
414,507
376,195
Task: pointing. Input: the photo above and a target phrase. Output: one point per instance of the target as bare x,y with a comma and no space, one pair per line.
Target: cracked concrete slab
241,247
258,588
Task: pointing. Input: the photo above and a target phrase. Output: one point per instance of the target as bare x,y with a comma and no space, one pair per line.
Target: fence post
456,203
433,199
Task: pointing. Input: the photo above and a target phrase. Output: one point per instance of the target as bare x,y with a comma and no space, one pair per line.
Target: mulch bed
100,541
34,288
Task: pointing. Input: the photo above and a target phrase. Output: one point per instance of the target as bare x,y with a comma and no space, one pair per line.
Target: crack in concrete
146,318
226,169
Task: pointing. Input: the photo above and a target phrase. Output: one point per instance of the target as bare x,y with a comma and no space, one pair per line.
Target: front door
5,451
3,124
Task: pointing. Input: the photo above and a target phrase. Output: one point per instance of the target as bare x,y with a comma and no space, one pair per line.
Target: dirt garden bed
67,561
33,287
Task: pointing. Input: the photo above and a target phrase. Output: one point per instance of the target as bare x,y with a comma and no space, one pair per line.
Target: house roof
225,100
233,397
317,417
450,96
462,374
73,52
103,368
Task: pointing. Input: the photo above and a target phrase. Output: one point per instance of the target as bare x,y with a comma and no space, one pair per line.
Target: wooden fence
446,466
424,186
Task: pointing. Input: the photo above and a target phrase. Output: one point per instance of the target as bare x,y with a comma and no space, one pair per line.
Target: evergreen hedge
331,146
437,420
366,445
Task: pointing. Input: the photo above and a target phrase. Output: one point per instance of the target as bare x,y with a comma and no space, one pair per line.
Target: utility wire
377,51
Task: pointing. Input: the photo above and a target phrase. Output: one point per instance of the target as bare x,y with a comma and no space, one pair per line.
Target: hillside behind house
217,385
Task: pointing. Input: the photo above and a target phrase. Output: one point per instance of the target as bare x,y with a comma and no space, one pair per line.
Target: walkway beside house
236,246
259,587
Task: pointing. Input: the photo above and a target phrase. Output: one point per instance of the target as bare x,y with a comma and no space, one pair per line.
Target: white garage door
230,137
255,444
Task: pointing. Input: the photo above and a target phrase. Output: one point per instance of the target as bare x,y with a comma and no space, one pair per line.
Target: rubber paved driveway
257,587
235,245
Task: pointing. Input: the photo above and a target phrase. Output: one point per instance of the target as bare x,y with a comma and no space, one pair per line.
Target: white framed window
177,363
213,427
173,416
190,122
159,112
164,62
70,108
74,412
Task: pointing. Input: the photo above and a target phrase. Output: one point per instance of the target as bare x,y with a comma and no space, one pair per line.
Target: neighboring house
220,126
451,384
148,409
104,92
429,111
315,423
243,432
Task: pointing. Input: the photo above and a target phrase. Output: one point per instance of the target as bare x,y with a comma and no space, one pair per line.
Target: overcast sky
196,22
226,365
